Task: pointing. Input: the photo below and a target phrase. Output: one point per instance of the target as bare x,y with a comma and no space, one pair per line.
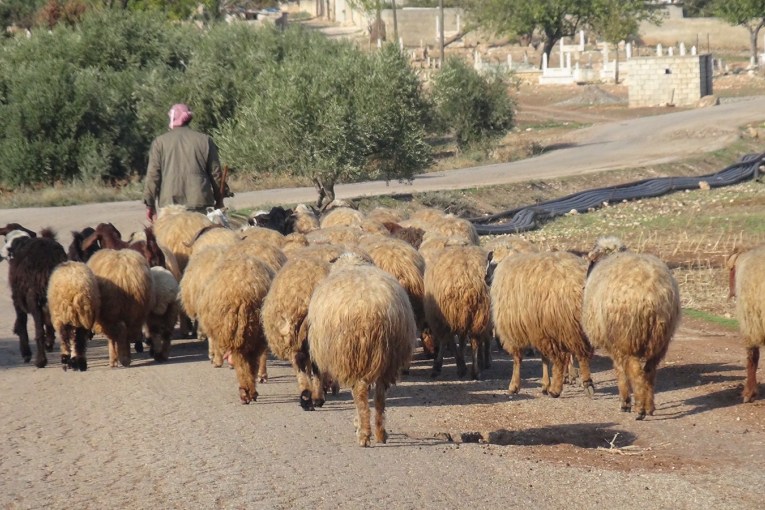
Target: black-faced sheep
31,262
360,328
747,282
124,282
536,301
74,302
631,309
284,310
457,303
229,311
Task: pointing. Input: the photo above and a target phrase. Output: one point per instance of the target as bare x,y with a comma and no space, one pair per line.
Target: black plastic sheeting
531,217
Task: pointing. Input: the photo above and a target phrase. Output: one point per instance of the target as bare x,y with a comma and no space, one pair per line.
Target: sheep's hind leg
649,375
637,377
515,380
50,334
79,361
459,356
545,375
361,399
41,359
556,385
245,364
624,386
66,346
750,387
381,436
586,375
477,350
262,368
20,328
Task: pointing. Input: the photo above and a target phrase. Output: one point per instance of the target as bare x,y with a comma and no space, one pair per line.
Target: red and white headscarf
180,115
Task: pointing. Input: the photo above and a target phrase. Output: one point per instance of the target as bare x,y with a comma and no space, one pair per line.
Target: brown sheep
536,300
457,303
74,303
747,278
124,282
284,310
360,329
631,309
229,311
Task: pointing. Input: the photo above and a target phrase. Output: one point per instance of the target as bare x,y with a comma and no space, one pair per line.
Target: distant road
609,146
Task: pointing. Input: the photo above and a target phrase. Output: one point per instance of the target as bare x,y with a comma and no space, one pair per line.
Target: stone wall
677,80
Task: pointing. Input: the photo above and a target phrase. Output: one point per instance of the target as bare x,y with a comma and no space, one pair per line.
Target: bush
476,109
326,110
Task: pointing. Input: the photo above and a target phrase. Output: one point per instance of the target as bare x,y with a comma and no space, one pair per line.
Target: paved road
623,144
174,435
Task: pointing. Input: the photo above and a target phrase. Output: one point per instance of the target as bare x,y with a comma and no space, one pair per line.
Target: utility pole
441,28
395,22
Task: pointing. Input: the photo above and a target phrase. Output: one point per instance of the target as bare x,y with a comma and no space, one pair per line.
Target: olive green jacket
183,169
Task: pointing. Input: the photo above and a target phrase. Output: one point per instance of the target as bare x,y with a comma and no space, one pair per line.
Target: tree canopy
556,19
749,14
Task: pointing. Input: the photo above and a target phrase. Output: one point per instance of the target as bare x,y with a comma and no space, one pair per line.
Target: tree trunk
753,34
616,65
326,192
547,49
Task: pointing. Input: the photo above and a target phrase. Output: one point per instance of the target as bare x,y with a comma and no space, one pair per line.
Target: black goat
31,262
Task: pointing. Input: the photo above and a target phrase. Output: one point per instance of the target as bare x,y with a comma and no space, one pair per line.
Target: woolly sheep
536,300
31,261
452,226
124,282
631,309
385,215
427,215
343,217
163,312
747,272
457,303
214,236
293,242
303,220
360,329
337,234
284,310
74,302
200,271
264,234
404,263
176,228
433,243
229,311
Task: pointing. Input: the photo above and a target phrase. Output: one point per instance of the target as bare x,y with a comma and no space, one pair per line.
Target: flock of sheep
345,297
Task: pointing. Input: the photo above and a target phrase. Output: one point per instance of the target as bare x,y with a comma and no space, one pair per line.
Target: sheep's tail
48,233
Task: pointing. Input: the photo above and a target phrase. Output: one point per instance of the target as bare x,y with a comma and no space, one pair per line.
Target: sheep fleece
750,300
73,296
631,306
361,326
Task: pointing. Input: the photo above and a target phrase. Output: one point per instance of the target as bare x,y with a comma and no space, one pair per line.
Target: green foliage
749,14
475,108
19,12
323,109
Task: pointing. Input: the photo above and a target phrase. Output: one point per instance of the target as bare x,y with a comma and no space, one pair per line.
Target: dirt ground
174,435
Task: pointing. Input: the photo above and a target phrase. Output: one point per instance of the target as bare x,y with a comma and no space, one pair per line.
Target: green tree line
82,102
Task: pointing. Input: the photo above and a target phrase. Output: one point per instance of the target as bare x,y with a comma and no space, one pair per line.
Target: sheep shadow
727,397
580,435
679,377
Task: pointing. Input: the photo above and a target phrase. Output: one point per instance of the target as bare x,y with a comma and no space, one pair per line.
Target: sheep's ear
90,240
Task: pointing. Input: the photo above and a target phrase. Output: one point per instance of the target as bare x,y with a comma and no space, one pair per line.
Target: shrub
475,108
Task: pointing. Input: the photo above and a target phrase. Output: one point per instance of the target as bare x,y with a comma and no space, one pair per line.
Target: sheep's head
107,236
13,239
218,216
604,247
76,252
